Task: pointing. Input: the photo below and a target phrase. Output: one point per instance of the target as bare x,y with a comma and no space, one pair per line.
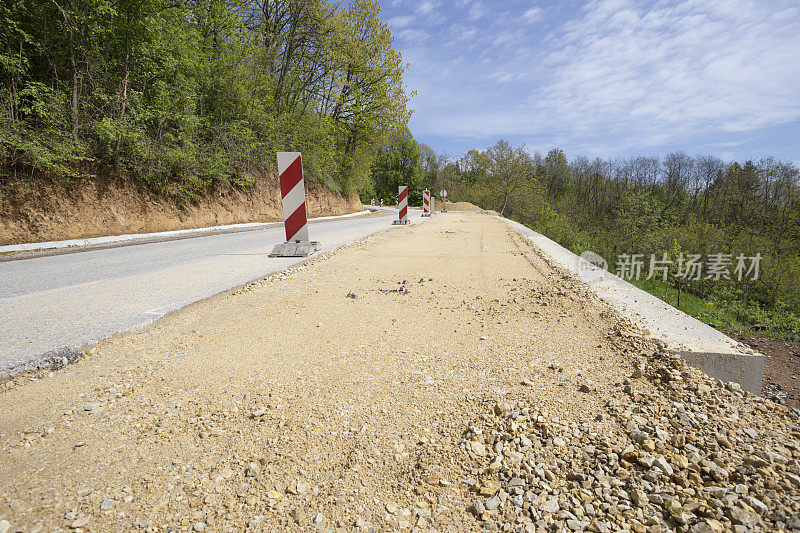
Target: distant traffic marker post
444,200
426,203
293,199
402,205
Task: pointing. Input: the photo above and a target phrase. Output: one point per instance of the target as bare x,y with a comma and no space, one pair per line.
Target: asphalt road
63,302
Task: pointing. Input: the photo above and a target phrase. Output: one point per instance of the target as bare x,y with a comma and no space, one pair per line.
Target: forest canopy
677,204
186,93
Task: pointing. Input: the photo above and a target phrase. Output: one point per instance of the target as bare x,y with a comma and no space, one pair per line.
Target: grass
712,313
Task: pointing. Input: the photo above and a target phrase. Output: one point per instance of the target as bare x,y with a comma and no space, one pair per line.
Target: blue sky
604,78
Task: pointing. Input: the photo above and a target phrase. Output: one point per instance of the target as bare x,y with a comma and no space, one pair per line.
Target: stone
756,504
550,505
199,526
106,504
662,464
298,516
5,526
477,508
502,408
252,470
81,521
477,448
492,503
739,516
639,497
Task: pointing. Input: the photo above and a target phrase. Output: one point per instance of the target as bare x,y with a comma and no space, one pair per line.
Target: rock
252,470
477,448
391,508
492,503
199,526
107,504
550,505
477,508
319,518
528,383
662,463
81,521
5,526
502,408
298,516
756,504
739,516
639,497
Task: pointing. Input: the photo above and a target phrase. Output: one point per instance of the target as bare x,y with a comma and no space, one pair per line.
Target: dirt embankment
48,210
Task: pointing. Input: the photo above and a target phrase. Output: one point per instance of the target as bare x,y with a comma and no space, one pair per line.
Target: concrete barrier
697,343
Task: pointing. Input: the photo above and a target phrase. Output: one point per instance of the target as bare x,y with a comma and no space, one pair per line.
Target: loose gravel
441,376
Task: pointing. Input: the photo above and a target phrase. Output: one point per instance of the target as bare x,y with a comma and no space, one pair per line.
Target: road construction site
438,376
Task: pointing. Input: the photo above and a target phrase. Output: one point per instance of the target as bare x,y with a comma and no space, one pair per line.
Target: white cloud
401,21
412,35
425,7
532,15
620,75
476,11
676,70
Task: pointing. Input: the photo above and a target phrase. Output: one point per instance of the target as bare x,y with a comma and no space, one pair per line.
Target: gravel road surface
63,302
441,376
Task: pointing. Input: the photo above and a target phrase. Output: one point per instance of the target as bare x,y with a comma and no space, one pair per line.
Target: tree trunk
74,66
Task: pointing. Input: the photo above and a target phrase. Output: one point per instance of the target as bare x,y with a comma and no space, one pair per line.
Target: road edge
697,343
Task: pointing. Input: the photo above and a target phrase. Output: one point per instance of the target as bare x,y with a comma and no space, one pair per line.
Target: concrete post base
295,249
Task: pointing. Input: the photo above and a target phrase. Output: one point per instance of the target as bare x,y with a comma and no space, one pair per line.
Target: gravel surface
440,376
64,302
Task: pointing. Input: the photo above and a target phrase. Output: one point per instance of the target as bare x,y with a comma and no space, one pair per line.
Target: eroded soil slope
48,210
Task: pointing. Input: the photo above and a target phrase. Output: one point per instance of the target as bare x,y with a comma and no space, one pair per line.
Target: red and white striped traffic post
293,200
402,205
426,203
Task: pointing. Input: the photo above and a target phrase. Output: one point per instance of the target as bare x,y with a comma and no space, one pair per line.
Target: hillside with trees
678,205
182,96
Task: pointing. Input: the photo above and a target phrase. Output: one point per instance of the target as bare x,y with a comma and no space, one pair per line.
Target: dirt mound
459,206
48,210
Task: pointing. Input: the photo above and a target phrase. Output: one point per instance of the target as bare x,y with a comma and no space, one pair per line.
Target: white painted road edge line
697,343
49,245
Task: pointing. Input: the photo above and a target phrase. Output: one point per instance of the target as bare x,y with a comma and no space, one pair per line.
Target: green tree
399,164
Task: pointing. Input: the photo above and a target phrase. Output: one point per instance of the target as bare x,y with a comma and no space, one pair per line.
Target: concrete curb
49,245
697,343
